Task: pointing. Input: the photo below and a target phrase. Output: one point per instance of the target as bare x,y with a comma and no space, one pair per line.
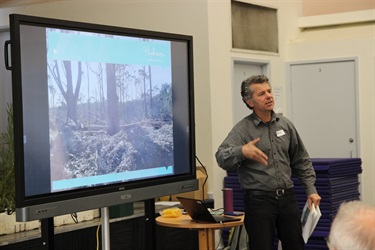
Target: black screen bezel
22,200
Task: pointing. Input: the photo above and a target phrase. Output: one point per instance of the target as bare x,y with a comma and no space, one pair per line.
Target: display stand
149,226
47,233
47,228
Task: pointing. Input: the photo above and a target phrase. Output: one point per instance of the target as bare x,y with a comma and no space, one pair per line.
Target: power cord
97,234
205,170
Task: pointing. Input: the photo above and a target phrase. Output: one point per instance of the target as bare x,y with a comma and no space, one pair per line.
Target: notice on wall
278,99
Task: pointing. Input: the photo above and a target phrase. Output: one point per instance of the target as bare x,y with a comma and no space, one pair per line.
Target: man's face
262,99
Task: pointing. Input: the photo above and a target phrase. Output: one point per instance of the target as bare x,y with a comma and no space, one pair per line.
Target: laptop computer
199,212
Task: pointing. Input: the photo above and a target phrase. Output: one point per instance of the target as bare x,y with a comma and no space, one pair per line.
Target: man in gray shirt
265,149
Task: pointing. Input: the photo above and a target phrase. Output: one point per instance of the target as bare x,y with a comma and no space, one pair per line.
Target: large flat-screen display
102,115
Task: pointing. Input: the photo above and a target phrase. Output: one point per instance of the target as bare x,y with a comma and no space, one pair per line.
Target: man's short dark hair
246,91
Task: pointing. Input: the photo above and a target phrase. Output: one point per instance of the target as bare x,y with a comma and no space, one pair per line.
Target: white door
323,107
241,71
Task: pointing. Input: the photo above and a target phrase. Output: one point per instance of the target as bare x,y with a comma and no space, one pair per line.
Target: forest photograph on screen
110,108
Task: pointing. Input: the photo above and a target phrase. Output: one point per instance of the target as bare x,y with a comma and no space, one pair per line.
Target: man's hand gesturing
251,151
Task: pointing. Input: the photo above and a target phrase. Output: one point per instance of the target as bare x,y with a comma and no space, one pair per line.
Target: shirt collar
257,120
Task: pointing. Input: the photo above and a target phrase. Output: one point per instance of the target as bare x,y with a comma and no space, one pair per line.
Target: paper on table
309,219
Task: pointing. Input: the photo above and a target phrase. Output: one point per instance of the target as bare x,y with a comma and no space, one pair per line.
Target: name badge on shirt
280,133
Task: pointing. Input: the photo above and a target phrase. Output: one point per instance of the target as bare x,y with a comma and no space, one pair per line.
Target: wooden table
206,230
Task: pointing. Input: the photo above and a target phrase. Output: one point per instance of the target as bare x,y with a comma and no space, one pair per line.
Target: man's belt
277,192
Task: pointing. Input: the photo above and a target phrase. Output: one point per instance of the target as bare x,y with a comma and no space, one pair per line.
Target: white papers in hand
309,219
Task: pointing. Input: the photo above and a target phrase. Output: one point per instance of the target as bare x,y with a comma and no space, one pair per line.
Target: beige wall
209,22
295,45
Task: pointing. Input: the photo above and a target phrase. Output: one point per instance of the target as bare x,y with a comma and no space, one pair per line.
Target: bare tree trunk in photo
112,100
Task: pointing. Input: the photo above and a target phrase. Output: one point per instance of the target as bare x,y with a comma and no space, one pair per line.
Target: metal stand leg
48,234
150,225
105,228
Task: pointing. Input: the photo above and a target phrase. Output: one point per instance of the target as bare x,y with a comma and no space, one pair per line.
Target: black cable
205,170
74,217
216,209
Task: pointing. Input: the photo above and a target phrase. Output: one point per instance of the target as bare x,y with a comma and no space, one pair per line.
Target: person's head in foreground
353,227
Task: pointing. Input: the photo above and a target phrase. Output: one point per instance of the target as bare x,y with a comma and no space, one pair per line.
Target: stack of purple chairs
337,181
